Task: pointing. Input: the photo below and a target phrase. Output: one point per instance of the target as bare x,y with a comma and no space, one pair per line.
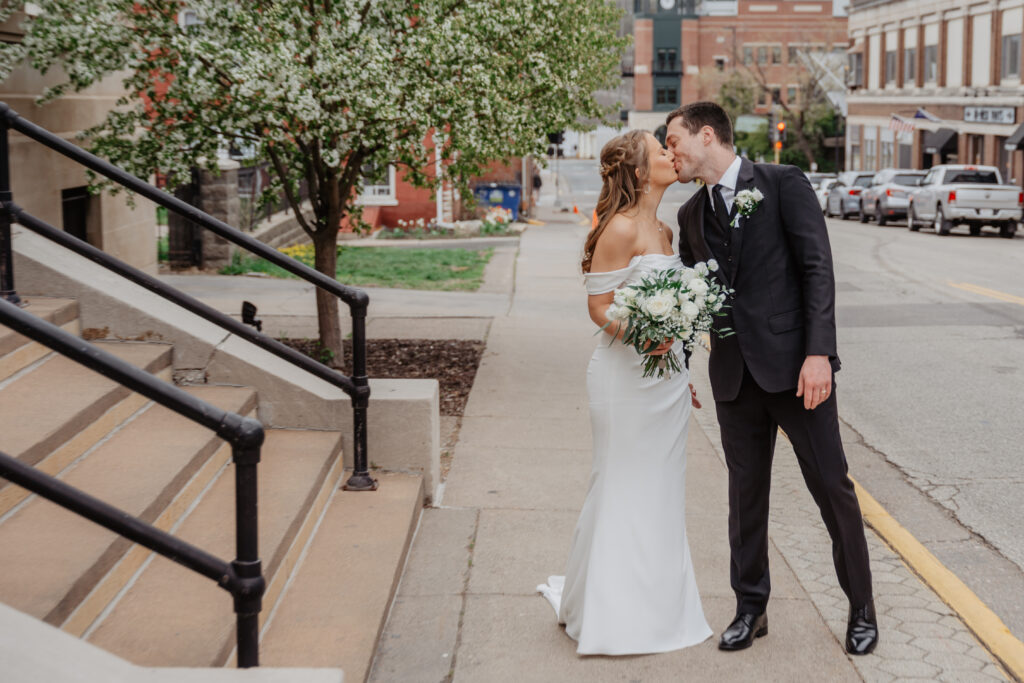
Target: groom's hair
696,115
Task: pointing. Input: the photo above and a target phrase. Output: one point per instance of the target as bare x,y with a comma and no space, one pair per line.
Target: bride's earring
647,188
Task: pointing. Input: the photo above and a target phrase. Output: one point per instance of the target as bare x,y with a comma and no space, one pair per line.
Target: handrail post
360,479
245,454
6,246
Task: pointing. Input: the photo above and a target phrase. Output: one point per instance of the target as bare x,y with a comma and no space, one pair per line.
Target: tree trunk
325,260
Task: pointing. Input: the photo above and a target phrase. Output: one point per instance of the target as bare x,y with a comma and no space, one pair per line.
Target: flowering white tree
326,88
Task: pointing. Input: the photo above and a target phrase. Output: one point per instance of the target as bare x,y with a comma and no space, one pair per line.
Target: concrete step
64,569
170,616
336,604
18,352
32,652
54,412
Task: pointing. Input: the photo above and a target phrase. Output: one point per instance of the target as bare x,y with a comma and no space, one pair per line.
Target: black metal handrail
243,576
356,386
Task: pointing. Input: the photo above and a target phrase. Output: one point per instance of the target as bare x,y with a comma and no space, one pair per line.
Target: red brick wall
726,36
643,51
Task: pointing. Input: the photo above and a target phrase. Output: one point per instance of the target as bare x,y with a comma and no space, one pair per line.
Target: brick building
936,81
684,49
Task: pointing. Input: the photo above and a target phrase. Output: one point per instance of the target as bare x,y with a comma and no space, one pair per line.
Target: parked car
844,197
888,195
822,189
957,194
815,178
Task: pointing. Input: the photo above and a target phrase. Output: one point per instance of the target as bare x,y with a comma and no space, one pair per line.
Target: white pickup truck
958,194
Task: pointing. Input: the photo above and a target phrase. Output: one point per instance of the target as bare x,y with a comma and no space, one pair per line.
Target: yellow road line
534,221
985,624
976,615
991,293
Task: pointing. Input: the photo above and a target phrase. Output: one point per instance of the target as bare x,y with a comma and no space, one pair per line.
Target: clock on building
668,4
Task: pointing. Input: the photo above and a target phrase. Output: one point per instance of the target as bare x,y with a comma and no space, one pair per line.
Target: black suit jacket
783,308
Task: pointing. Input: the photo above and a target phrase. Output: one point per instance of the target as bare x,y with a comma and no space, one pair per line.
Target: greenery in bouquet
672,304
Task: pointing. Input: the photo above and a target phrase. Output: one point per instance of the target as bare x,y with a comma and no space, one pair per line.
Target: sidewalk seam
465,595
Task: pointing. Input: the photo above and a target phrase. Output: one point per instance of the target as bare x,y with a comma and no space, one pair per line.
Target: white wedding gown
629,586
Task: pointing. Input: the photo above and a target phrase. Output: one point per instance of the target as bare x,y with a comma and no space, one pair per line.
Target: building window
910,66
794,53
776,54
666,60
666,96
1011,56
886,154
791,94
189,18
762,54
378,186
776,94
748,55
890,67
856,70
931,63
869,155
638,6
720,63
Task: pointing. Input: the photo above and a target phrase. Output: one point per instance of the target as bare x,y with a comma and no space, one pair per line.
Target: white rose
757,194
690,310
698,287
625,296
687,274
701,268
712,265
698,301
617,312
684,296
659,305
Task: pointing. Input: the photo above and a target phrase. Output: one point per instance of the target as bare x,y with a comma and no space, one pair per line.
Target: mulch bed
452,362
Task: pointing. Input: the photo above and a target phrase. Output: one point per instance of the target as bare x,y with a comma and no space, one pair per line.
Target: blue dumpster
505,195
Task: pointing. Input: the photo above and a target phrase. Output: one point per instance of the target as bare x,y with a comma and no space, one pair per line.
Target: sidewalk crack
465,593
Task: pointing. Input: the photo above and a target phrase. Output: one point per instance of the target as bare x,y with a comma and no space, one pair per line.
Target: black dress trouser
749,426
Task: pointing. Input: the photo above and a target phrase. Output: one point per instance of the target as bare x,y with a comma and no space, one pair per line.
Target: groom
777,369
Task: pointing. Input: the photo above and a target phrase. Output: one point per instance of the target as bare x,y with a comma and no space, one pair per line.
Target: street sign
990,114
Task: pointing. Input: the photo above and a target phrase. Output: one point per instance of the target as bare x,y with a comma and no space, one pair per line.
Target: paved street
930,332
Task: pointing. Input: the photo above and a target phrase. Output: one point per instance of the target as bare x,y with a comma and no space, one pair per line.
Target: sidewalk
467,609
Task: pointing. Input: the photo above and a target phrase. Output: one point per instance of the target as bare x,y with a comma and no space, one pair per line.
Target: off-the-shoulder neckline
619,270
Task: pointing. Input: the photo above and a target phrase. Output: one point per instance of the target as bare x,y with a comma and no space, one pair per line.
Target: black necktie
721,212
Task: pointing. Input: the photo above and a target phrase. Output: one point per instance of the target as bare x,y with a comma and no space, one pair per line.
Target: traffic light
780,133
778,144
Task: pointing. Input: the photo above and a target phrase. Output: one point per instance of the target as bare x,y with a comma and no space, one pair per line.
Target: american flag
900,124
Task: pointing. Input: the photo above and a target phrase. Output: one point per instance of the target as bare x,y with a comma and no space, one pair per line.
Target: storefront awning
1015,141
939,141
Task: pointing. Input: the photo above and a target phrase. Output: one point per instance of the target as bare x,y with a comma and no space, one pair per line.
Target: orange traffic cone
575,209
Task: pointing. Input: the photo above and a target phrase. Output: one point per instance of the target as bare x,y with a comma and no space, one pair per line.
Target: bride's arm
613,251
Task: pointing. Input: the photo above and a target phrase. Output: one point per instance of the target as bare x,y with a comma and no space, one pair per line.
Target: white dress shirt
728,185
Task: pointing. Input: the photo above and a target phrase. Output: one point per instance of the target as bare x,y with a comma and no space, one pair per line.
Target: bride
629,586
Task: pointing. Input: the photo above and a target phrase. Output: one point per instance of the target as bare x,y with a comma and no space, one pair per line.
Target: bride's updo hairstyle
621,184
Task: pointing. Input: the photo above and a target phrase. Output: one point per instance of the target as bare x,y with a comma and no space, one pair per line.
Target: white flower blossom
659,305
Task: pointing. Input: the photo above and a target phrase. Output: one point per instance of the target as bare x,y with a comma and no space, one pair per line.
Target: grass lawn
437,269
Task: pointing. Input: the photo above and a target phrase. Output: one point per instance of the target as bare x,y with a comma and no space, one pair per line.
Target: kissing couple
629,585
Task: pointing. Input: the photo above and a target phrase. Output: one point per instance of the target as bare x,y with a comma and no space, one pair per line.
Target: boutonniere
746,202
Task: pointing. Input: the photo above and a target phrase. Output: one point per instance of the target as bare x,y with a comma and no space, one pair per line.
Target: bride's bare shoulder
616,245
619,231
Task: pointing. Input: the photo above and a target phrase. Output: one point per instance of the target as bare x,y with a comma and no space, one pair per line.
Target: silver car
888,195
844,197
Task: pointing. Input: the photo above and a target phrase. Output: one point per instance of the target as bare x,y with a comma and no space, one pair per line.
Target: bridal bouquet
671,304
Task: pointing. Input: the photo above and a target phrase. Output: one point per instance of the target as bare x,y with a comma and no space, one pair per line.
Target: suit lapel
744,181
698,242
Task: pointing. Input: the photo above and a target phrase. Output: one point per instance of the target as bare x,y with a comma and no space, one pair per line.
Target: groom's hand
815,381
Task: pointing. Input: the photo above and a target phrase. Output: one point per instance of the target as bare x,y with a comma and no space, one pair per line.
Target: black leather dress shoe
742,631
862,630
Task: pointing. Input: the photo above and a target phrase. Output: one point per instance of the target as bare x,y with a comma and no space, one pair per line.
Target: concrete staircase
331,558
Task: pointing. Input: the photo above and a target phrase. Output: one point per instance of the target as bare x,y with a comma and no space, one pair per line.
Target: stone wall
218,196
